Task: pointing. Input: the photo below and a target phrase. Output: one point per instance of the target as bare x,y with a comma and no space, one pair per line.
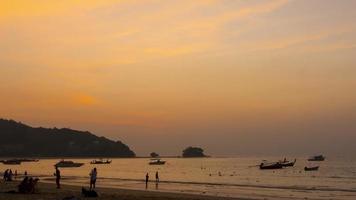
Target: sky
234,77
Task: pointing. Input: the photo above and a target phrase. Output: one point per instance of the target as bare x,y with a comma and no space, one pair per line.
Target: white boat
157,161
68,163
101,161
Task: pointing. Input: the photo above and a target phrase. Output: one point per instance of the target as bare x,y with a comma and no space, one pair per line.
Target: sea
222,177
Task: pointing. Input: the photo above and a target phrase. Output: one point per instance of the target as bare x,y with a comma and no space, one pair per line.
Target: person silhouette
157,177
93,175
147,178
58,177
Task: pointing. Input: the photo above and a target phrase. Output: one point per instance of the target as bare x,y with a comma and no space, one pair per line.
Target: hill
20,140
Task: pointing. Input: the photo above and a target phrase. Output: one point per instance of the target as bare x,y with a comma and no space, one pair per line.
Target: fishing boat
68,163
101,161
287,163
27,160
11,162
273,165
317,158
311,168
157,161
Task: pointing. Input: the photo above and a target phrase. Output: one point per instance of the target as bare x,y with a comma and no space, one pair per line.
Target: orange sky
184,72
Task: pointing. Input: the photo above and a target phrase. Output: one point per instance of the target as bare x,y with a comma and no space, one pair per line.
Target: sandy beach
48,191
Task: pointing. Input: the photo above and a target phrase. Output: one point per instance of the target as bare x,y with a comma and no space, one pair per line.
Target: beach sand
48,191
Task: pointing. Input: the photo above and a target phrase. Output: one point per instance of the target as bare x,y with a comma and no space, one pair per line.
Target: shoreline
172,190
48,191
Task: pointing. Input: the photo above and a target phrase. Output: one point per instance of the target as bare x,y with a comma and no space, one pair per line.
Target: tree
193,152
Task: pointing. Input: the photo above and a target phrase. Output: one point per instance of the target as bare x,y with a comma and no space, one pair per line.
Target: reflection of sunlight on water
239,176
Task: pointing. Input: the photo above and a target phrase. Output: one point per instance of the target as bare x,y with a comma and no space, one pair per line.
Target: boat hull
158,163
11,162
100,163
271,166
68,165
319,159
311,168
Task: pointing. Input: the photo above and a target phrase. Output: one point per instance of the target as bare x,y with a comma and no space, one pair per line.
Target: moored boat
274,165
157,161
101,161
287,163
11,162
311,168
68,163
27,160
317,158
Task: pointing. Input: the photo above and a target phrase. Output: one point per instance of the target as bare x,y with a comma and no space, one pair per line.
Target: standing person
93,174
10,175
58,177
157,177
6,174
147,177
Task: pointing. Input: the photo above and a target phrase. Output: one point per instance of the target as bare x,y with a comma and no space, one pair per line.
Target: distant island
20,140
193,152
154,155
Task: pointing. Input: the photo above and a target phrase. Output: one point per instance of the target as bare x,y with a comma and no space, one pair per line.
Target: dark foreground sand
47,191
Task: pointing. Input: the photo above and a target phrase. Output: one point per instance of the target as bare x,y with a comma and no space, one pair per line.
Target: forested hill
20,140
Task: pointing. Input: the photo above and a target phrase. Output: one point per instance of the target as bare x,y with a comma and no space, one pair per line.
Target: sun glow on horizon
171,68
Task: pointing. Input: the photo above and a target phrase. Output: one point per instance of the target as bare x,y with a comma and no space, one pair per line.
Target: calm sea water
336,178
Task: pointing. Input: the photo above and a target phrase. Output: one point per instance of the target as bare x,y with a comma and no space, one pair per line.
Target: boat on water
101,161
317,158
27,160
11,162
277,165
273,165
316,168
287,163
157,161
68,163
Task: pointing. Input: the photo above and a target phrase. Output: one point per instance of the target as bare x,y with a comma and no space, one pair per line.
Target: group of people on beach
93,176
28,185
148,177
8,175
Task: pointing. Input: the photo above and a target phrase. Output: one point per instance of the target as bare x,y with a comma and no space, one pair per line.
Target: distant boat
317,158
11,162
156,161
273,165
101,161
287,163
68,163
27,160
311,168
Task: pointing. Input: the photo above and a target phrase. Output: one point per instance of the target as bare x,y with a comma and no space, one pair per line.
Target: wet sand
48,191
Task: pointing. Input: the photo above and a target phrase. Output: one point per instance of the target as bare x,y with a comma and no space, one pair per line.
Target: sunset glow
167,74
